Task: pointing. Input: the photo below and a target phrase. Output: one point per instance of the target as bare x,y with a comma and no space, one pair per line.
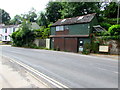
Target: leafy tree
31,15
5,16
43,32
53,11
16,20
24,36
111,10
42,20
73,9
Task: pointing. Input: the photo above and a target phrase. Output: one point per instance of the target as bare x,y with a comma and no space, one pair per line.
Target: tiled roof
80,19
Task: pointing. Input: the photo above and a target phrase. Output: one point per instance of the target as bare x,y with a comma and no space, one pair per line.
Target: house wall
52,30
79,29
8,33
72,44
75,29
94,22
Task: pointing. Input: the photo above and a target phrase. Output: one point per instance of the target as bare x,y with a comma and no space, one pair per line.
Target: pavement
14,76
71,69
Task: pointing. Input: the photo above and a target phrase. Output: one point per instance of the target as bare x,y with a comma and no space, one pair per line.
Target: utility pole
118,12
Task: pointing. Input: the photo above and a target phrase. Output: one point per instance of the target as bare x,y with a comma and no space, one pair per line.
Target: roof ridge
78,16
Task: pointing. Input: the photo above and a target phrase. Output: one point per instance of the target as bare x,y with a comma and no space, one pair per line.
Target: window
59,28
5,30
13,29
5,37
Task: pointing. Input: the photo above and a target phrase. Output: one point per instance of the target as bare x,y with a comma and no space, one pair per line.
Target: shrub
24,36
95,46
114,30
87,48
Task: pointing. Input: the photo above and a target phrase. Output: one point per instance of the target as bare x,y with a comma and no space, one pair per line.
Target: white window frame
59,28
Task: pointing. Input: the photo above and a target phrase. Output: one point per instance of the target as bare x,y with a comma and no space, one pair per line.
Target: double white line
45,77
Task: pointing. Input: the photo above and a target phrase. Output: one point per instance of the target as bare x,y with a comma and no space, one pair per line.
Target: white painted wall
6,35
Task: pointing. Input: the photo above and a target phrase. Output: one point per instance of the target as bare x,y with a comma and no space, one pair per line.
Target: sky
14,7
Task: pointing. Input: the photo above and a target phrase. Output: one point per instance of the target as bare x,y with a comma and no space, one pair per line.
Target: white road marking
50,80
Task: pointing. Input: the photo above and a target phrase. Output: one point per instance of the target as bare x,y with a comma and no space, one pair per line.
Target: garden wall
40,42
114,46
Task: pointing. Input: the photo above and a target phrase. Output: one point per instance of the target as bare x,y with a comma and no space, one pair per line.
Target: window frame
5,37
5,30
59,28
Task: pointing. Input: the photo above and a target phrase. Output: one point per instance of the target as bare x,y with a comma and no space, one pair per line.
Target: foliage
16,20
24,36
31,15
73,9
53,11
5,16
111,10
111,21
42,20
114,30
105,25
87,48
43,32
95,46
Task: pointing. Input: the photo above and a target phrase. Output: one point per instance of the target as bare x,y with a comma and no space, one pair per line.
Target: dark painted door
71,44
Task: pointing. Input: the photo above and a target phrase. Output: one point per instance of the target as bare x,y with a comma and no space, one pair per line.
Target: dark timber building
70,34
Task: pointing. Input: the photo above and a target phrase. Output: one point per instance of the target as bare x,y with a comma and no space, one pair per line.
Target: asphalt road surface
72,70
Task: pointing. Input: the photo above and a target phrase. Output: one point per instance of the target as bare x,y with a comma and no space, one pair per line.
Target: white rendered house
6,31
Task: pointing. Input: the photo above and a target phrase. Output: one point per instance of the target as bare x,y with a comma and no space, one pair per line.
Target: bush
95,47
86,51
24,36
114,30
87,48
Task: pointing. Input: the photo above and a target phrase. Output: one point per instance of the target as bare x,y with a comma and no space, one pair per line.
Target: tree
24,36
53,11
31,15
42,20
111,10
16,20
43,32
73,9
5,16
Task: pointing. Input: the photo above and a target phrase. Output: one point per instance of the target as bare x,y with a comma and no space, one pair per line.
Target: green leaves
24,36
5,16
43,32
114,30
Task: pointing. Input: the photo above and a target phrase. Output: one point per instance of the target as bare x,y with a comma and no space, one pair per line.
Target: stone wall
114,46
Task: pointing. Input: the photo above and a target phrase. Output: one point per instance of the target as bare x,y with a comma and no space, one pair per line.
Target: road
72,70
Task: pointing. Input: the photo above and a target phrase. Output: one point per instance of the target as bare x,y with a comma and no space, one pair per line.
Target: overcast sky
14,7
